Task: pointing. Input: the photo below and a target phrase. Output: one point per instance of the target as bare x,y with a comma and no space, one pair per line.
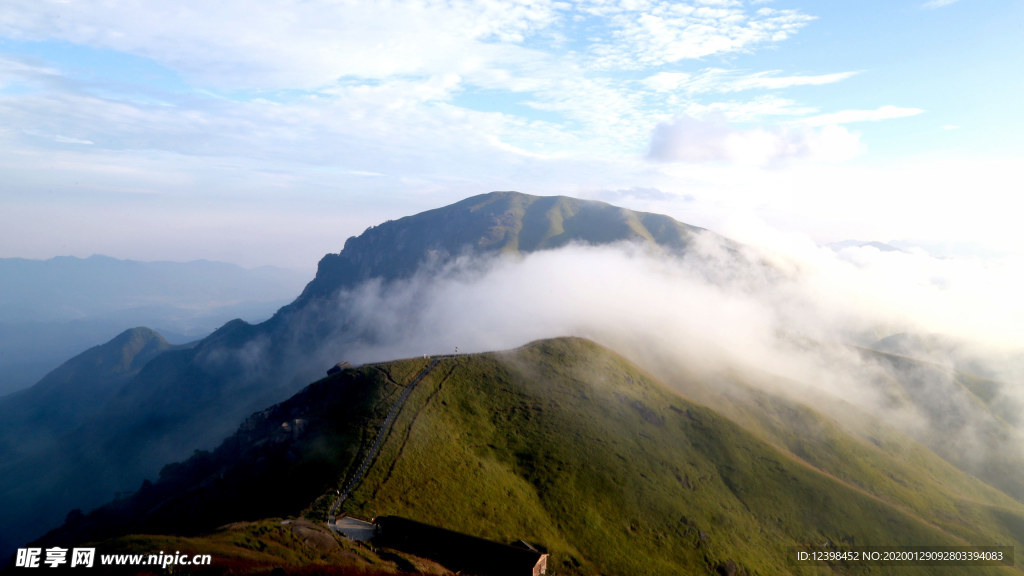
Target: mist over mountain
52,309
193,397
779,343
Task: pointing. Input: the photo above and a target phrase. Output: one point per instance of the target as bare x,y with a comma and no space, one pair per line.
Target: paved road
372,454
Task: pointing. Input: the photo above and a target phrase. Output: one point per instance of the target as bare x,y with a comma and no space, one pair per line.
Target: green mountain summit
498,222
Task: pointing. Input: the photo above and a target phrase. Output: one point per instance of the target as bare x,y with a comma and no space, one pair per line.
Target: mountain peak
497,222
76,389
123,355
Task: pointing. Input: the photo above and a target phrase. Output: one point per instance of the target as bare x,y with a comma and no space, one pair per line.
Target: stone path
372,454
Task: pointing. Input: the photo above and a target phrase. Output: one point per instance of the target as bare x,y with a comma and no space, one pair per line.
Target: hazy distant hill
566,444
41,454
53,309
75,391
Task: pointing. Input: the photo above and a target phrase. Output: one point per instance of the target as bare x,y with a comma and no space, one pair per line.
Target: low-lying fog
795,310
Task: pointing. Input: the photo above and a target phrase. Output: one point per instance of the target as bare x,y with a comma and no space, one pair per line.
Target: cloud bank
708,304
788,322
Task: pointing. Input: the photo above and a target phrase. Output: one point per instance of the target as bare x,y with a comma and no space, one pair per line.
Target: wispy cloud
938,3
68,140
851,116
288,45
724,81
10,68
321,79
657,33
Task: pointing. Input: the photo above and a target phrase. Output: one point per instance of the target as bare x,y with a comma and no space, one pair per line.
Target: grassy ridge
565,443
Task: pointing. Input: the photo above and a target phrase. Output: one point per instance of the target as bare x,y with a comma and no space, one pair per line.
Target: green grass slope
864,452
565,443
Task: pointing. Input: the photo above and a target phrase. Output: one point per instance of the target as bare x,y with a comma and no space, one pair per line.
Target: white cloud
752,110
692,140
959,201
851,116
719,80
11,69
68,140
711,309
968,298
939,3
234,44
361,77
667,81
657,33
439,100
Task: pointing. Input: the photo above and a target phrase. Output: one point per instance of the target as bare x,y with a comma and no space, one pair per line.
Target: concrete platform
355,529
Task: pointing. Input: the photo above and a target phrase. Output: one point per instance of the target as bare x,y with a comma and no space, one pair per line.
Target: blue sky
268,132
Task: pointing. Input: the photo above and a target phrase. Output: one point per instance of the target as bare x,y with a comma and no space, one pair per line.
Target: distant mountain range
562,441
52,309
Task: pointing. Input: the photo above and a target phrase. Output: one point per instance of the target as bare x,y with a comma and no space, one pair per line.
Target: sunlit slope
565,443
